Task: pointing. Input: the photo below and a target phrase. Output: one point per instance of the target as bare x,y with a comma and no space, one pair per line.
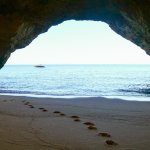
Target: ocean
131,82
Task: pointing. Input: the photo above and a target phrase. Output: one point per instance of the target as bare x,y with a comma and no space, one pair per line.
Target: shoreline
126,98
30,123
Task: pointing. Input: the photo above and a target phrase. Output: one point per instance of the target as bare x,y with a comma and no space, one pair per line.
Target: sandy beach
28,123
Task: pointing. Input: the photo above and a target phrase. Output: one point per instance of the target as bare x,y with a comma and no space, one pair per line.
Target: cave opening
80,42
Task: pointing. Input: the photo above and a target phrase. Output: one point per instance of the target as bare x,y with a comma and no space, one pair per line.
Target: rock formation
21,21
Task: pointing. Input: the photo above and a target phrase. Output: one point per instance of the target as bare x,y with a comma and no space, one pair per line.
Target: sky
79,42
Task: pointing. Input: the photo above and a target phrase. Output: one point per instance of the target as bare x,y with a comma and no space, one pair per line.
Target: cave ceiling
21,21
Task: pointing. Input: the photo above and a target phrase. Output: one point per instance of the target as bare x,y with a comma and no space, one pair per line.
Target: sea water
124,81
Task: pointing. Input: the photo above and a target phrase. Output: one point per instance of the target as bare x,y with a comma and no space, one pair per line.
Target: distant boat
39,65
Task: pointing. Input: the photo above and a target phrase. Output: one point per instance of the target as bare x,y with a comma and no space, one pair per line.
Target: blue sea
131,82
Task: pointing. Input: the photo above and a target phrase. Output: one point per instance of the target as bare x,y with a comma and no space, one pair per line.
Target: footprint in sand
61,114
31,106
44,110
110,142
26,103
57,112
4,101
92,128
74,117
104,134
89,123
41,108
77,120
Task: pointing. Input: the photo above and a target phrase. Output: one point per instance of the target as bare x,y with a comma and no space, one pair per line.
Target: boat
39,65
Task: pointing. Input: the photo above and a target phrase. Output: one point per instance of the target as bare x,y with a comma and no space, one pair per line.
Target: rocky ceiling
21,21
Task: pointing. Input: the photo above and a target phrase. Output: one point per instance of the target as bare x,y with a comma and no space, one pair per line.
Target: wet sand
28,123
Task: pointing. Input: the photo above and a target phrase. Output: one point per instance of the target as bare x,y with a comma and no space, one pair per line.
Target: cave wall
21,21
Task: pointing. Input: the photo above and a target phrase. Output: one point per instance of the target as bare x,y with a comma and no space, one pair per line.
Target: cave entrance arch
80,42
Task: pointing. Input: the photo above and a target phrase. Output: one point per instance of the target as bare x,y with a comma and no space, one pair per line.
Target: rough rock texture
21,21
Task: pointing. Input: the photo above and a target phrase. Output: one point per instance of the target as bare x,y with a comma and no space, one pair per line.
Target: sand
28,123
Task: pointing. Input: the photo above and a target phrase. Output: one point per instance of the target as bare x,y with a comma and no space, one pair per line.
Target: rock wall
21,21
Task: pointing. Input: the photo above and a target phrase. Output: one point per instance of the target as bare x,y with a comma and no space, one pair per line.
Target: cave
61,123
79,42
23,21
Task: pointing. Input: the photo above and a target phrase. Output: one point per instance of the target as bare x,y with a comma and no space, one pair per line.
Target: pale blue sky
80,42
